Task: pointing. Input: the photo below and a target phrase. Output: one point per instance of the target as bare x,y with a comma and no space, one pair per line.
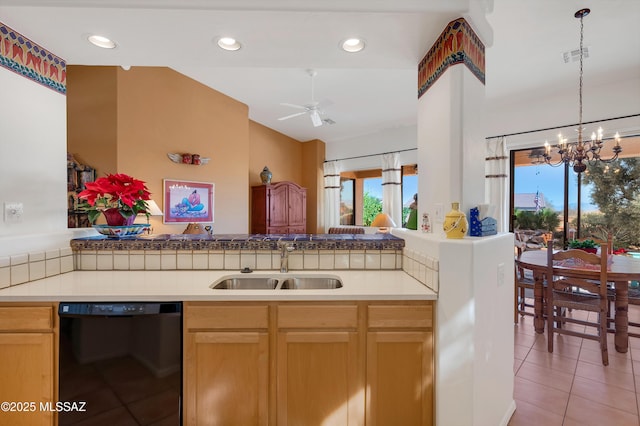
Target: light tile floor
570,386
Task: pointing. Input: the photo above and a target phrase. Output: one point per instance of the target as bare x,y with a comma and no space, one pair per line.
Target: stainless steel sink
246,283
311,283
275,282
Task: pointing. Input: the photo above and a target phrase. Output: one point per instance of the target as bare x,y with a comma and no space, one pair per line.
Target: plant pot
115,218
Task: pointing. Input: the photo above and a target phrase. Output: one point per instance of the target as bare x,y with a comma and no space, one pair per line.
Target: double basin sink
274,282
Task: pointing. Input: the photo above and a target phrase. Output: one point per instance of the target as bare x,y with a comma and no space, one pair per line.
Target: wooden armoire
279,208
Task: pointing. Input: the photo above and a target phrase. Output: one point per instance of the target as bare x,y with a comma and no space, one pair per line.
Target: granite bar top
241,242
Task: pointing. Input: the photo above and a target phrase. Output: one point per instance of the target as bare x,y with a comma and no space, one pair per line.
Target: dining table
623,269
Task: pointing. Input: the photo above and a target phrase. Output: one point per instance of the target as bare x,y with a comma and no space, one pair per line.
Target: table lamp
153,210
383,221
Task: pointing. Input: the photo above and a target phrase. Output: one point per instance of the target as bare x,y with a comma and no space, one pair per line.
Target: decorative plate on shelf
121,231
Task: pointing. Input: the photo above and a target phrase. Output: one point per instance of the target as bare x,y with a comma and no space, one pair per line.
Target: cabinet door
259,209
399,378
27,372
317,378
278,206
297,208
226,378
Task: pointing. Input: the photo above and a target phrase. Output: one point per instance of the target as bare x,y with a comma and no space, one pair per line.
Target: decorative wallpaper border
30,60
457,44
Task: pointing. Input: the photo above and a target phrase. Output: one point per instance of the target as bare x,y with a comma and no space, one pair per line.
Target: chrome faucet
285,249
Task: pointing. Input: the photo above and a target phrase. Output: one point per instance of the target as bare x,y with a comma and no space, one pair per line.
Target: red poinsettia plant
118,196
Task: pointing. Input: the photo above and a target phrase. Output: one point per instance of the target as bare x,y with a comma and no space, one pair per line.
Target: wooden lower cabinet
319,374
307,363
399,378
28,364
318,378
400,370
226,364
227,378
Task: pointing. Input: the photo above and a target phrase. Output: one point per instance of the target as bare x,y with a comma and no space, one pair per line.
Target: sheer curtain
496,180
331,194
392,187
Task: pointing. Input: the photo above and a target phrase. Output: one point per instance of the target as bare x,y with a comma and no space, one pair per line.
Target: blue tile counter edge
241,242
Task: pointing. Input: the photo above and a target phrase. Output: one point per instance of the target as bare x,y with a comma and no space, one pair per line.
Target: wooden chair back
573,288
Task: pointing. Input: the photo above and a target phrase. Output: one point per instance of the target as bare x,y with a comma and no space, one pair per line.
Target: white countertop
195,285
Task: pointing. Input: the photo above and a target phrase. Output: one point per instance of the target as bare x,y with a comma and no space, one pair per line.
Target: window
604,199
347,201
409,191
371,199
361,195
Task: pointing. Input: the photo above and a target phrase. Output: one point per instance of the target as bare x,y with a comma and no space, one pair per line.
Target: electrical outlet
13,212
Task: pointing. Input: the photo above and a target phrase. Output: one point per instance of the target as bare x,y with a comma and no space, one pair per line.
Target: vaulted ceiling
371,91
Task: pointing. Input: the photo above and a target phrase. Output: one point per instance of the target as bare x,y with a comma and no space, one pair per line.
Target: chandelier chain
579,154
580,84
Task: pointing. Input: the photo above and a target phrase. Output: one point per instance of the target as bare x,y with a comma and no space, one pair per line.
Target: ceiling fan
313,108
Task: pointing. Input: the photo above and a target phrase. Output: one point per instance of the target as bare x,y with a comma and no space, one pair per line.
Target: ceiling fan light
353,45
102,41
229,43
315,118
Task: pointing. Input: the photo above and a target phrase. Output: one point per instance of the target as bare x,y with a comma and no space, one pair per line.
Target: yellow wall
313,155
91,116
147,112
280,153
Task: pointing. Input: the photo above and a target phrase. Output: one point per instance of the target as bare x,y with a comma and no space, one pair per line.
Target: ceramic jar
265,176
455,223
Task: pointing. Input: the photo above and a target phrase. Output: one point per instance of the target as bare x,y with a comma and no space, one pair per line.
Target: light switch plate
500,274
13,211
439,214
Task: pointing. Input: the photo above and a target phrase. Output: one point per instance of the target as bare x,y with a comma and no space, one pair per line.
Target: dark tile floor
118,392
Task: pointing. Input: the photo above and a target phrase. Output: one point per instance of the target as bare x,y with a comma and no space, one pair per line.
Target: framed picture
186,201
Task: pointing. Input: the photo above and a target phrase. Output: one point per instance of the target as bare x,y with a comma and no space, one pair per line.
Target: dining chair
569,290
634,299
523,281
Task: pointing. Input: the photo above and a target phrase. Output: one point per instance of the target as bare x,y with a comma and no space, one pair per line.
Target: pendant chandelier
579,154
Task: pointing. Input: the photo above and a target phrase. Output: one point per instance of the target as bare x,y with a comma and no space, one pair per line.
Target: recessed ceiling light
352,45
229,43
102,41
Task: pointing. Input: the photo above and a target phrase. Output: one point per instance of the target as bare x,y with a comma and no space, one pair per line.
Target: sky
549,181
409,188
528,179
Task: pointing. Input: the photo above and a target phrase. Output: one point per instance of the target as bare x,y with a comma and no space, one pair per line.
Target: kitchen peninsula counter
194,285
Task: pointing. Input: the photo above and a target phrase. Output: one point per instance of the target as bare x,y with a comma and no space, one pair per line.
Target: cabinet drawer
226,317
318,316
400,316
26,318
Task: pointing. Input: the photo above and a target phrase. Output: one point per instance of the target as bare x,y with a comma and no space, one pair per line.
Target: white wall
474,337
533,111
33,152
451,144
398,139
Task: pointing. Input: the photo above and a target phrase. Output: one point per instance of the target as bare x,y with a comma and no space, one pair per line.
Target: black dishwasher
120,363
